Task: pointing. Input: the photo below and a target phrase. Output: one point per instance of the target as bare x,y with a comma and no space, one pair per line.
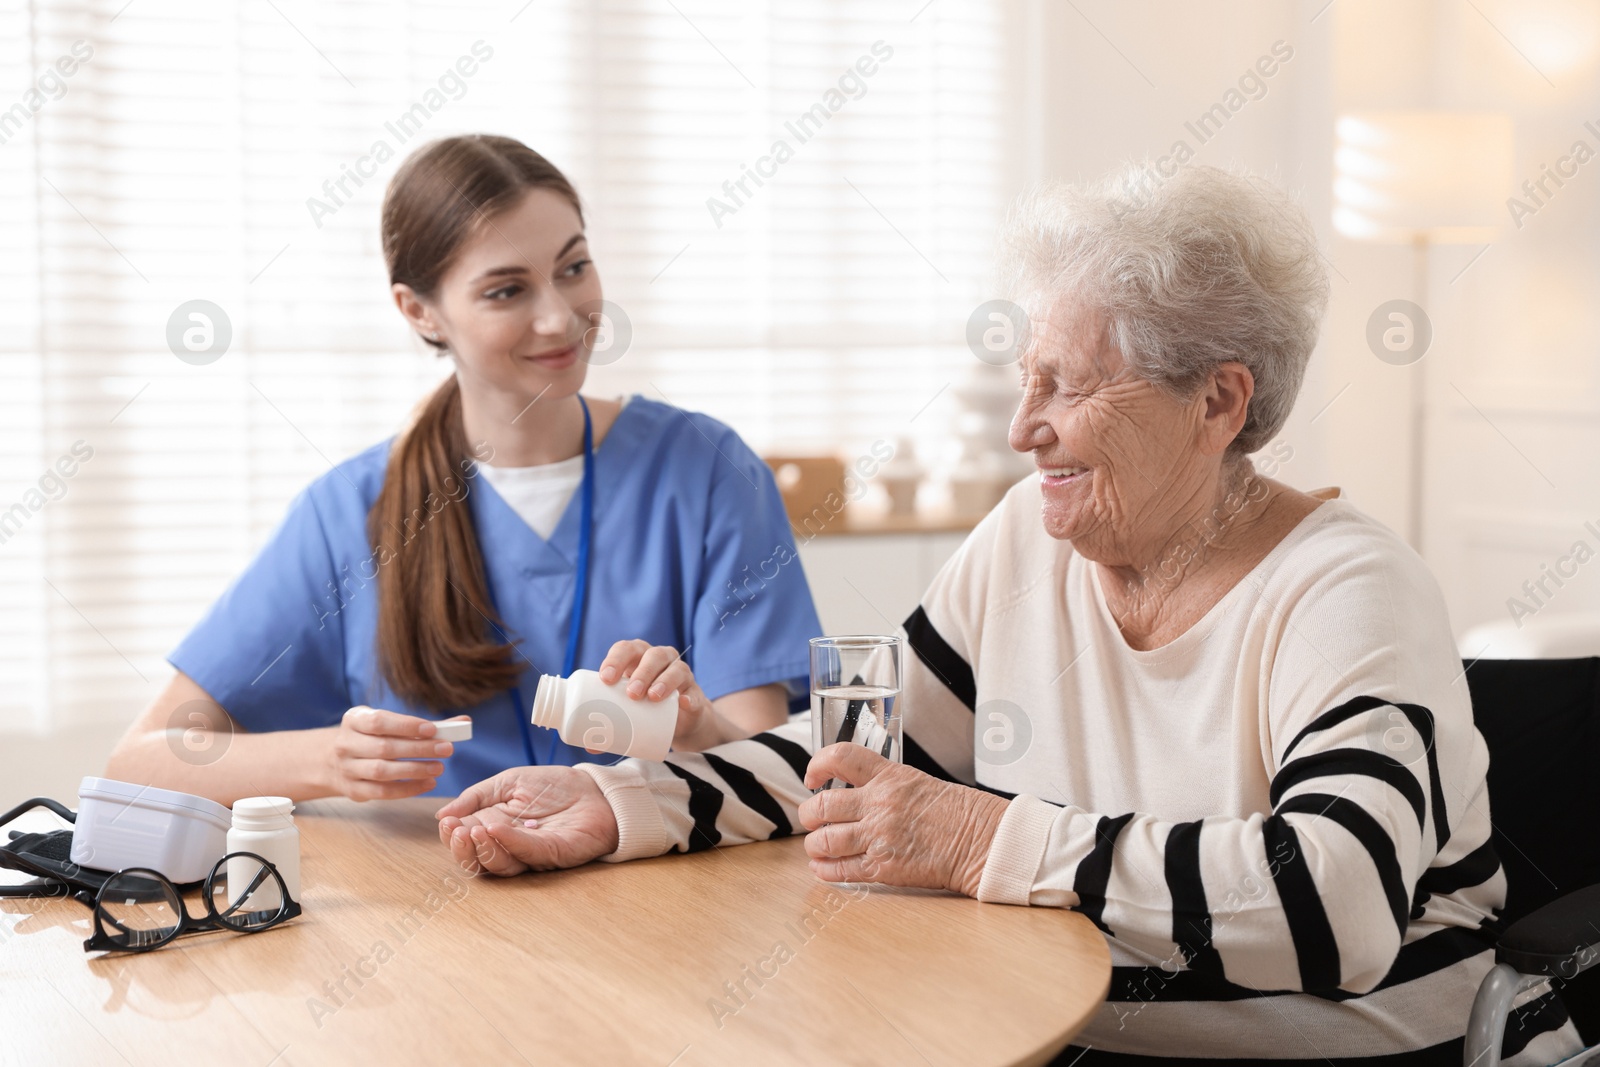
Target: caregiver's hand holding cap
383,755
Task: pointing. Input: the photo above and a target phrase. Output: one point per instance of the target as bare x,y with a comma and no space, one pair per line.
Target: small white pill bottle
587,713
265,826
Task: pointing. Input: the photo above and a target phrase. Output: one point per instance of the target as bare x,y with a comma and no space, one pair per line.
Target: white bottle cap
257,807
453,730
263,813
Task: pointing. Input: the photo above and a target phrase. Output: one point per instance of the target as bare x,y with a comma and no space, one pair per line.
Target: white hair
1189,271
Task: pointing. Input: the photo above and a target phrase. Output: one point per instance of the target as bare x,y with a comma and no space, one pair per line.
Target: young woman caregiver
400,589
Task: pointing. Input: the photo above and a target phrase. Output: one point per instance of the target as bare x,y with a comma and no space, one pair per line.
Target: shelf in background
879,522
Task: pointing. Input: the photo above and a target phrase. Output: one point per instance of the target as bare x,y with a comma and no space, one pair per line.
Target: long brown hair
439,639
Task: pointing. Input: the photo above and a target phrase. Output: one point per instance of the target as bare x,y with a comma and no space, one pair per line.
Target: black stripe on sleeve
935,653
917,756
1365,829
705,804
1421,720
1340,761
1333,717
794,755
1440,949
1314,946
1475,868
751,794
1422,957
1191,916
1094,871
1441,817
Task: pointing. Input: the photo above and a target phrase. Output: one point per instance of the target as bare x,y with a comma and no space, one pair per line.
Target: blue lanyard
580,596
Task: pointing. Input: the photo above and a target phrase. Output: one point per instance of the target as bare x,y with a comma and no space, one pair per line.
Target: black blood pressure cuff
46,855
49,856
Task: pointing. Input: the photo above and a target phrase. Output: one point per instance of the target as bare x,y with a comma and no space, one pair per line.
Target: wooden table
738,955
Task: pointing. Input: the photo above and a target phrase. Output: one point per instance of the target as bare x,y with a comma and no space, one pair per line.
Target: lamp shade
1439,175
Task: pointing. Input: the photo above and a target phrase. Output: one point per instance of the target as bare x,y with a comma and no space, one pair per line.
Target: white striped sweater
1279,820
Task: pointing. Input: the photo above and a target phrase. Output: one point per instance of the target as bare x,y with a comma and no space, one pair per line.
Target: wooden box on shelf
806,483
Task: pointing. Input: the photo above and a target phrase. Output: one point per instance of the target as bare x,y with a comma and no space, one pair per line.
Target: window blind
203,151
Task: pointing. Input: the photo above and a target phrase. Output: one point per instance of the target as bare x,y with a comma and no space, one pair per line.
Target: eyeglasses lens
139,909
246,894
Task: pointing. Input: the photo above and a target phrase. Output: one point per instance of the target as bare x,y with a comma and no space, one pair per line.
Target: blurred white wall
1513,445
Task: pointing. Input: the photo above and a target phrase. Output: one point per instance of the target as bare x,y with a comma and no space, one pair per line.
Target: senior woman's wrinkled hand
529,818
898,826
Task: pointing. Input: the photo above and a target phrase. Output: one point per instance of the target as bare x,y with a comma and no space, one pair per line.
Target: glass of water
855,687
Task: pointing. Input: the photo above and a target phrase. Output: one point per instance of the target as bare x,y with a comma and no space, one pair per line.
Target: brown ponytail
436,645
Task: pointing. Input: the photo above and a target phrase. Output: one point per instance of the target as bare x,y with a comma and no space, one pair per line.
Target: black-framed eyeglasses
139,909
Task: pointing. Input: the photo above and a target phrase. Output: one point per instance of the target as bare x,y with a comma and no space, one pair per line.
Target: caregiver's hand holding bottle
542,818
653,672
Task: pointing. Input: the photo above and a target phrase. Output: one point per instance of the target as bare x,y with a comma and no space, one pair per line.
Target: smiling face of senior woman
1124,463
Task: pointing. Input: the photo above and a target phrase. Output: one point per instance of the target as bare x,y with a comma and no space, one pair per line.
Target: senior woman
1217,715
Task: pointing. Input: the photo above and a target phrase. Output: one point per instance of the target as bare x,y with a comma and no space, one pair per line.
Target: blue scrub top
692,549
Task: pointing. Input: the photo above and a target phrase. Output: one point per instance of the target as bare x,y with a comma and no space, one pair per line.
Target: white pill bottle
587,713
265,826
